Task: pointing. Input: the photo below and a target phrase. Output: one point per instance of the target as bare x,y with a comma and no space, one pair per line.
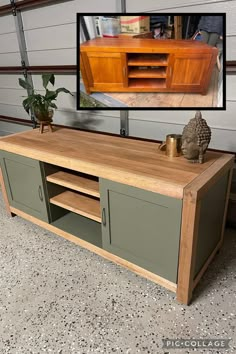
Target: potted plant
42,105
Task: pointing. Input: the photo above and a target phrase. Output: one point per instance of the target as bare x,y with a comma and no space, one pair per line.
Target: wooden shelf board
77,183
148,59
146,83
147,73
79,204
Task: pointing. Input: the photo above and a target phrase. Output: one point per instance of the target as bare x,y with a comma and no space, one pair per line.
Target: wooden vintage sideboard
123,199
146,65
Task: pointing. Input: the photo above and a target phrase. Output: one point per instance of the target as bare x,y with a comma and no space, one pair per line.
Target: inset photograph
157,62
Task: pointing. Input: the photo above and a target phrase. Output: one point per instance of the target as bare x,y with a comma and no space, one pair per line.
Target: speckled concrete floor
56,297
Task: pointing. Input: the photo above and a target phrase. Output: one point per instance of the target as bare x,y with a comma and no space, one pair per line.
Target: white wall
9,50
50,30
50,33
11,97
4,2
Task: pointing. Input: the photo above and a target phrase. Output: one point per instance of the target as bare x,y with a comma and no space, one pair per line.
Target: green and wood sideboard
121,198
146,65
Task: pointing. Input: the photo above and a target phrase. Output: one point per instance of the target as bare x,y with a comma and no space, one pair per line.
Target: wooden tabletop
133,162
142,45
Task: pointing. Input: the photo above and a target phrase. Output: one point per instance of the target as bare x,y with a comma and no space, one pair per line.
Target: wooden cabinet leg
188,243
4,193
85,70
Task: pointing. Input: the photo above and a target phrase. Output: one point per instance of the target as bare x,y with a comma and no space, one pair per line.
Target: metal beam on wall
123,6
84,28
124,123
23,50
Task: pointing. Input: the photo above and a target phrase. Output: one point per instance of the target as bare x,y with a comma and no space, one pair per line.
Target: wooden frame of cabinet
138,170
146,65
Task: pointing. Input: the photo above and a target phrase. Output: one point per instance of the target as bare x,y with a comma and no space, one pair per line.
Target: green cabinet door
141,227
24,185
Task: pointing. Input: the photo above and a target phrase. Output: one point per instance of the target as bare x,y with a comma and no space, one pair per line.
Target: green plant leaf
53,105
48,78
40,103
52,80
62,89
50,95
28,100
26,104
25,84
36,99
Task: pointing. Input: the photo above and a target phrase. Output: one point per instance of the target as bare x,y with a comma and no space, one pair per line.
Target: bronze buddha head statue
196,137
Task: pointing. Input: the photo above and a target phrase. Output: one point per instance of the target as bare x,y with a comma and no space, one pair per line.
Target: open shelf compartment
147,72
147,59
80,226
147,83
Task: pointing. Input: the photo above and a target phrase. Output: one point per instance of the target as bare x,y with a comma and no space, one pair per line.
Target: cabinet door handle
40,193
104,217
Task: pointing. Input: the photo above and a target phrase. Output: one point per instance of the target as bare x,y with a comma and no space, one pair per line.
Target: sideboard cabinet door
24,185
105,70
141,227
189,71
